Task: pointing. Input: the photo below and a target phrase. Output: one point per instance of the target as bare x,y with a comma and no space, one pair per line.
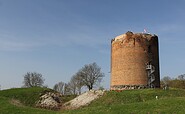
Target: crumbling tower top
131,35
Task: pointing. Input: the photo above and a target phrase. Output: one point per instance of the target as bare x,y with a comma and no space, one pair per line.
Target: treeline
88,76
178,82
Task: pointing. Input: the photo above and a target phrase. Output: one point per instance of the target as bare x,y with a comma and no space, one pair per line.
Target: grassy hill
138,102
27,96
21,101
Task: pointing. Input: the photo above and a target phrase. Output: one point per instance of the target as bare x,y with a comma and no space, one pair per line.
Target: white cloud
12,43
15,46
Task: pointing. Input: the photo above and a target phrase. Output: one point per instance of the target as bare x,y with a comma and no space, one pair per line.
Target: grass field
126,102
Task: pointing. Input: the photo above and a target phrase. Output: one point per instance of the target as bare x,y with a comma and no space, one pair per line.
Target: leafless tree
59,87
178,82
67,90
75,84
63,88
90,75
181,77
33,79
79,83
182,80
166,80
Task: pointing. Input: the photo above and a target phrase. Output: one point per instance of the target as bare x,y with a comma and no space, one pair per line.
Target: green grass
126,102
27,96
163,106
133,96
7,108
137,102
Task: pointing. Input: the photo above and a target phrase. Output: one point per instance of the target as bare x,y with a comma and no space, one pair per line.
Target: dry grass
16,102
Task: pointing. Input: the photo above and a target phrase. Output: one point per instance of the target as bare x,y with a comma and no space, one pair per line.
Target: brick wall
129,56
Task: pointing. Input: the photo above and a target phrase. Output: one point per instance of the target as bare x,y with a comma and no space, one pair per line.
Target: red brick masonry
130,53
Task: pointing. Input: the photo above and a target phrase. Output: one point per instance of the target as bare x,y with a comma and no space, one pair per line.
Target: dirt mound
83,99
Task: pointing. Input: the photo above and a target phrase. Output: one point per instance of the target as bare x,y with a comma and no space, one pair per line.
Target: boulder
50,100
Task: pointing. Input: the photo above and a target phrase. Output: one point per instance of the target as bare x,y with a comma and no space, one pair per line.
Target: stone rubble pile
50,100
83,99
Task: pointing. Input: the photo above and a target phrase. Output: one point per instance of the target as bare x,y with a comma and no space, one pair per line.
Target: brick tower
134,61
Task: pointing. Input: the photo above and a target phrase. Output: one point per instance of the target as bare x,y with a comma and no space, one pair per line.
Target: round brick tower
134,61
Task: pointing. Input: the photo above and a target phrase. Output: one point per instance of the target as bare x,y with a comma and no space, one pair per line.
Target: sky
58,37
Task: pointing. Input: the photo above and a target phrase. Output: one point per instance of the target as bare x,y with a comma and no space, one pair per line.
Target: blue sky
58,37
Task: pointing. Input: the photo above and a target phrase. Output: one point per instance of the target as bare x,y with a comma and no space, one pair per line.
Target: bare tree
182,80
178,82
166,80
63,88
33,79
90,75
59,87
67,90
79,83
181,77
75,84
